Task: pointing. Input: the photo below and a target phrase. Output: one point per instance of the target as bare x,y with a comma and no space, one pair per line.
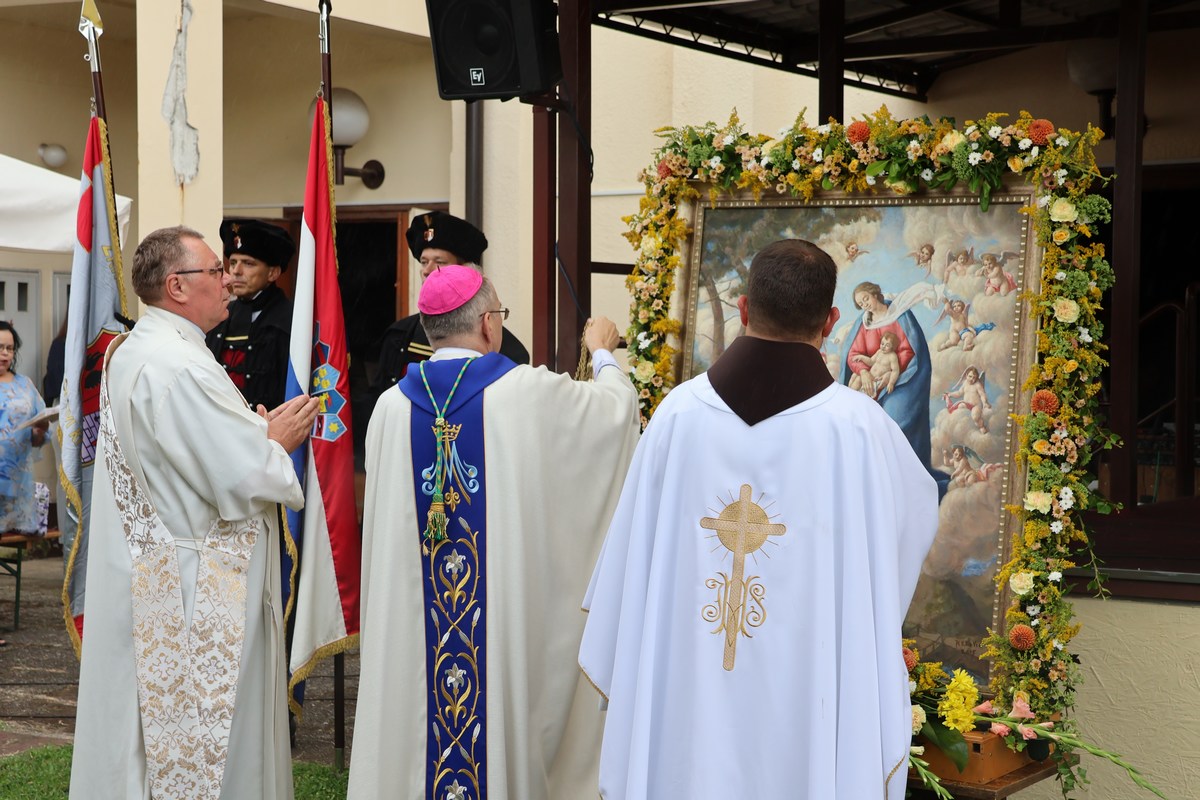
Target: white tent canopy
38,208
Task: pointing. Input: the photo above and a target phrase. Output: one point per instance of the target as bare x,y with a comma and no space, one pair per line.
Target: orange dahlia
910,659
1022,637
1045,401
1040,131
858,132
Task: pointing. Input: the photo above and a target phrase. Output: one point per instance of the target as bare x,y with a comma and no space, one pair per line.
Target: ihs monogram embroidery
741,528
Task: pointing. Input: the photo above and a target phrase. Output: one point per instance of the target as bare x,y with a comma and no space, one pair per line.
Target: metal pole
339,711
474,204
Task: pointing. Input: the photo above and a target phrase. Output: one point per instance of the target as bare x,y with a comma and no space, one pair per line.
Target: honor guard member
436,239
252,344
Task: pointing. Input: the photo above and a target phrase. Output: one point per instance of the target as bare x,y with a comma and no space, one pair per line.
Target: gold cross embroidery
742,528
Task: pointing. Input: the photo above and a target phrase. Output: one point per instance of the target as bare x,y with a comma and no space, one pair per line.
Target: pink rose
1020,709
1027,732
984,708
1000,729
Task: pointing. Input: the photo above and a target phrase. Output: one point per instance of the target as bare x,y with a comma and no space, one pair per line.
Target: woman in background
19,401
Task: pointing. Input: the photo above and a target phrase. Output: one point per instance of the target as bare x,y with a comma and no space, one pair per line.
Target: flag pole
339,658
91,27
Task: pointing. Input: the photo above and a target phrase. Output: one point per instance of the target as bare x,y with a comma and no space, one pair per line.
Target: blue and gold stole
454,574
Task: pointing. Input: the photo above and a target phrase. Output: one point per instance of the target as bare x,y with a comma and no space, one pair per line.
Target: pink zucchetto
448,288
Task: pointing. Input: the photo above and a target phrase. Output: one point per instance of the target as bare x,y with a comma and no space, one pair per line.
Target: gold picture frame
961,275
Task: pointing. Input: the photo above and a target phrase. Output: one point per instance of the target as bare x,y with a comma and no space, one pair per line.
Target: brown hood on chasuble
758,378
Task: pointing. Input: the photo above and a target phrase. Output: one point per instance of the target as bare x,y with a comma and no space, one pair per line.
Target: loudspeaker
494,48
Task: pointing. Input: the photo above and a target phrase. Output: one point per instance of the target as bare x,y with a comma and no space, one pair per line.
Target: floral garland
1061,433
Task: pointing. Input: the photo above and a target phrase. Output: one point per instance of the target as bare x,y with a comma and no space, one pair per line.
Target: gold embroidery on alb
742,528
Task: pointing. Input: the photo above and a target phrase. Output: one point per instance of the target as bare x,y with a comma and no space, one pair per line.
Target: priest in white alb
489,488
182,688
744,617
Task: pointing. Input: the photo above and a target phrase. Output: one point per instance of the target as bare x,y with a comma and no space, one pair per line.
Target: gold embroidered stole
187,678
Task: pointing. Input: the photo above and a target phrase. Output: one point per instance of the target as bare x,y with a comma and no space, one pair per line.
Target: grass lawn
45,774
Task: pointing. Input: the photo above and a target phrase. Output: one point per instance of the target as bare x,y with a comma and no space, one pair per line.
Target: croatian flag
97,300
323,579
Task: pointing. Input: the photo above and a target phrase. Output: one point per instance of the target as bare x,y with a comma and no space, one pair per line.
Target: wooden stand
1033,772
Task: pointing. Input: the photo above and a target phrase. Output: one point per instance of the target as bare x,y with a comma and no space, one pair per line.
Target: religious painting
933,328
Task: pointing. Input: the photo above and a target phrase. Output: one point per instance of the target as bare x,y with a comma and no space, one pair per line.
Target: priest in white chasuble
744,616
182,683
489,488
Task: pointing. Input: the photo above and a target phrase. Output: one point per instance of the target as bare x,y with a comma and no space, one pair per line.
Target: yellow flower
1070,366
644,371
952,140
1063,210
1061,236
955,706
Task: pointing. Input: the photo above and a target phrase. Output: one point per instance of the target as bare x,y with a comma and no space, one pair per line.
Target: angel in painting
970,392
923,255
996,279
961,330
960,461
853,251
959,263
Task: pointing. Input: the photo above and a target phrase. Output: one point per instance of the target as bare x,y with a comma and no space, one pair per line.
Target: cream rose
918,718
952,140
1066,310
1063,210
644,371
1021,583
1016,164
1061,236
1038,501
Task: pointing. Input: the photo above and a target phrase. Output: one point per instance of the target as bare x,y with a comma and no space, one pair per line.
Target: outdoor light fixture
1092,65
52,155
350,122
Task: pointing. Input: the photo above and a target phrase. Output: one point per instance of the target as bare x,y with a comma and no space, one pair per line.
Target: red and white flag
97,302
326,535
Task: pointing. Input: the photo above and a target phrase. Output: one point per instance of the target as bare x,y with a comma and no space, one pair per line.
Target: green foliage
44,773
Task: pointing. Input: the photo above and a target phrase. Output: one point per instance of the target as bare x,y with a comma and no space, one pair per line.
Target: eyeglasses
210,271
502,311
7,348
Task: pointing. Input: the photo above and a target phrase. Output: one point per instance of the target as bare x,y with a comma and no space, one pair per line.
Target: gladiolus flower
984,708
1020,709
1000,729
1027,732
1022,637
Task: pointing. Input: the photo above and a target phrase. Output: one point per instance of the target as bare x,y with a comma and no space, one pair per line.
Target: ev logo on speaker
477,76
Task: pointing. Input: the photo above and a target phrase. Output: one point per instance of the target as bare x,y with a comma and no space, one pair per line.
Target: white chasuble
745,613
554,452
182,682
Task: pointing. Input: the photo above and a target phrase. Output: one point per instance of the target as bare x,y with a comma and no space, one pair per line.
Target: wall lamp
350,122
1092,66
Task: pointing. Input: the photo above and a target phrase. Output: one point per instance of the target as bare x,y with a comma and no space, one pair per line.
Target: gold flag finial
89,17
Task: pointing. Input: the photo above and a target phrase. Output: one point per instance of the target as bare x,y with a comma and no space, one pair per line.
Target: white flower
715,161
1064,468
766,160
456,791
1033,153
1062,141
926,174
974,145
1066,497
974,158
454,677
995,131
818,156
970,130
1060,175
912,687
1085,335
822,129
1043,201
916,750
1025,144
870,180
1056,526
1033,623
1060,276
1054,576
1057,645
454,562
796,164
1033,611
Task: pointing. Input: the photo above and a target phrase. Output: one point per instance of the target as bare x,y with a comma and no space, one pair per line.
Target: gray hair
157,257
462,320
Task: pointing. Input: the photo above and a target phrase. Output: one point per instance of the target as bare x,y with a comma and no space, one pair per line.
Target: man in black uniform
435,239
252,343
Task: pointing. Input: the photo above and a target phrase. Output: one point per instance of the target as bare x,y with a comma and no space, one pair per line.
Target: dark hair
5,325
791,289
155,258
